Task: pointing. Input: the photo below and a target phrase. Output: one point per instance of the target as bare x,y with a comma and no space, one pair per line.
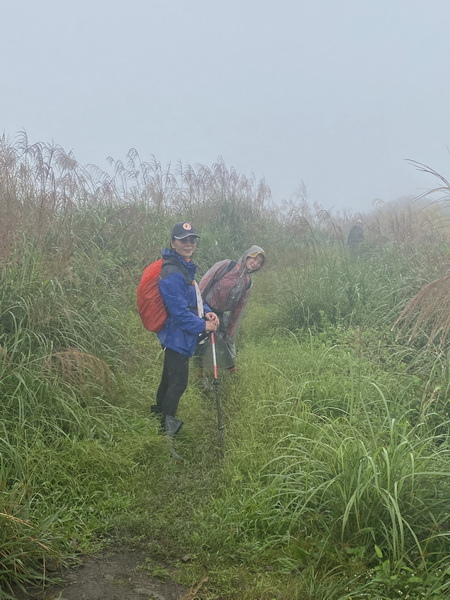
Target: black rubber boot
172,426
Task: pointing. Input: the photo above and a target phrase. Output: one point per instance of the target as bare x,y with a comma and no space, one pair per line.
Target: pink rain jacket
229,291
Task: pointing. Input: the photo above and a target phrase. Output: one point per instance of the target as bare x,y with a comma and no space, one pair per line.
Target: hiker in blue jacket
188,318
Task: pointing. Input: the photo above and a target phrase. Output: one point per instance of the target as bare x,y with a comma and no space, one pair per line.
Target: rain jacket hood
252,251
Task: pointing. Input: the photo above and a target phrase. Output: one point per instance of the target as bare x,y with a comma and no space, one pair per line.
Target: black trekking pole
216,392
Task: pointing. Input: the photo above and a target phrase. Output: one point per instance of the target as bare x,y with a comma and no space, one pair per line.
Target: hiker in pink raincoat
226,288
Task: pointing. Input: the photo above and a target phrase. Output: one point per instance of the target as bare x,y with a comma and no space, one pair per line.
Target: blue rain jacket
183,326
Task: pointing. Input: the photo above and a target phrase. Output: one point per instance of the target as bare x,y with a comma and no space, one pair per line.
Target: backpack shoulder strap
218,275
230,266
174,266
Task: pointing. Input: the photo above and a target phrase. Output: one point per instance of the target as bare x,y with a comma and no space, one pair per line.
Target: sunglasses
190,239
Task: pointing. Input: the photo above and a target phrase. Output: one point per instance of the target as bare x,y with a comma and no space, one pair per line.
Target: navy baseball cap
182,230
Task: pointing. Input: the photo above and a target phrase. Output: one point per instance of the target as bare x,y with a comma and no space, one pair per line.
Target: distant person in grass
356,235
226,287
188,318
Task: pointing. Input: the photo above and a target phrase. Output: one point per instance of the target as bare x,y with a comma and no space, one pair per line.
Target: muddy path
115,574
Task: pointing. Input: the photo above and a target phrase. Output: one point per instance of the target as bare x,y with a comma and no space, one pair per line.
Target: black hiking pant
174,382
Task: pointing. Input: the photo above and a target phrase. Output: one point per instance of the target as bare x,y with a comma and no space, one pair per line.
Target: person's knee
180,388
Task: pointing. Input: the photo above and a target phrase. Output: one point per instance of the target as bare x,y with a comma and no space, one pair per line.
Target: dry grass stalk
331,226
192,593
404,222
15,519
182,188
443,188
80,369
428,310
43,191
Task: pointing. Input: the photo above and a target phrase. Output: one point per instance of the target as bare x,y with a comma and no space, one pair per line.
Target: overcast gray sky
332,93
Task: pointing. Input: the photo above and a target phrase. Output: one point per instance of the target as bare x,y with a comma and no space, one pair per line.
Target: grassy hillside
335,479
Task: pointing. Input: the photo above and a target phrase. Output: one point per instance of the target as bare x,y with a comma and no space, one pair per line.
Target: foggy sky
332,93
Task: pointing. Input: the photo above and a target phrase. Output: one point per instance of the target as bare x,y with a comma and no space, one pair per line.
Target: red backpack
149,302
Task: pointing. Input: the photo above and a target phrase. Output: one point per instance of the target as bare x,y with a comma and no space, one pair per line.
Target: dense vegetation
335,479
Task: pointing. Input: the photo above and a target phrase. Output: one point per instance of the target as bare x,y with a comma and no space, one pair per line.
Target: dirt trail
113,575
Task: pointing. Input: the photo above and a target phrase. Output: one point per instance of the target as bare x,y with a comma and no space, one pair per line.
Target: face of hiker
253,263
186,246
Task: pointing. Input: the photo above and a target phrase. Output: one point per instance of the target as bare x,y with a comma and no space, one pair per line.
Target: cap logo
187,226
